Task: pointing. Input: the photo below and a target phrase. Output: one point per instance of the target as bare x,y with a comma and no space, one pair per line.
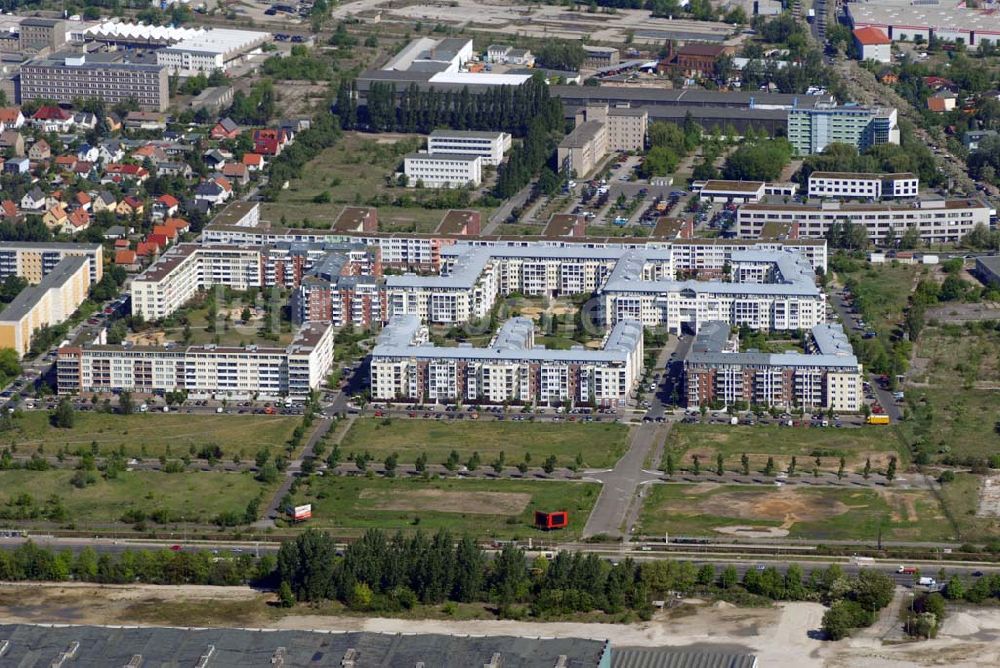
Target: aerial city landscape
501,334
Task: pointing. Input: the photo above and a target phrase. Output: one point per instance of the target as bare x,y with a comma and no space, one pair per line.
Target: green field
820,514
762,441
961,496
484,508
151,434
600,444
353,172
187,497
953,392
881,292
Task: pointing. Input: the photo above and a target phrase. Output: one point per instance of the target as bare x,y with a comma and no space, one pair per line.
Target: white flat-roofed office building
937,221
491,146
443,170
511,368
249,371
849,185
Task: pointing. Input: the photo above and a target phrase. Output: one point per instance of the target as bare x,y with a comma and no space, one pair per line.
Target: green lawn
881,292
762,441
820,514
600,444
151,434
961,496
191,497
954,397
353,172
483,508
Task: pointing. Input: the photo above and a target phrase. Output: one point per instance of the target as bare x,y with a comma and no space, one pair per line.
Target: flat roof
238,648
732,186
28,298
42,246
690,97
509,345
443,157
919,205
221,41
479,78
903,15
468,134
863,176
833,350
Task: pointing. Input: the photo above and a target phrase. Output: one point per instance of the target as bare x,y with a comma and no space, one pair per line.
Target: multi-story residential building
773,291
225,372
343,287
185,269
491,146
810,130
52,301
448,170
32,260
65,77
863,186
937,221
827,376
511,369
240,224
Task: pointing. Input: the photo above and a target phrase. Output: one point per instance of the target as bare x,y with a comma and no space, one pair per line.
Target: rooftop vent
496,661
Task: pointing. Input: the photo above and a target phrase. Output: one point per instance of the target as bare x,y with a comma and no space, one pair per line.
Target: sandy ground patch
744,531
442,501
989,497
784,505
782,637
904,506
154,338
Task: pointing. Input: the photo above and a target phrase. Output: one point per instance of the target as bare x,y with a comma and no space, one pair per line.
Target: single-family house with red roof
225,129
253,161
127,259
130,205
269,141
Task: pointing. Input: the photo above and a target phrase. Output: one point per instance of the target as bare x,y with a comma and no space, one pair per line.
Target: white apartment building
848,185
491,146
786,298
466,290
405,367
187,268
443,170
938,221
225,372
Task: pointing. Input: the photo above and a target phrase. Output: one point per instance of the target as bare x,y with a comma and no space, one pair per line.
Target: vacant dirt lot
441,501
785,506
989,497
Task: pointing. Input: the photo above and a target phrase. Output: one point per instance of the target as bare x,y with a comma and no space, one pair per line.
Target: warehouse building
827,376
906,21
511,368
210,50
239,648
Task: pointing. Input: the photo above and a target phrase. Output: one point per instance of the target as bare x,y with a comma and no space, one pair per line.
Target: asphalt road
620,483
